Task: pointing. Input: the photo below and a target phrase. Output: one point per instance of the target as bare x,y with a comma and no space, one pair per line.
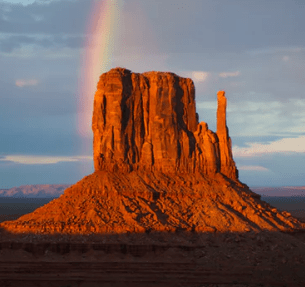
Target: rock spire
149,121
227,164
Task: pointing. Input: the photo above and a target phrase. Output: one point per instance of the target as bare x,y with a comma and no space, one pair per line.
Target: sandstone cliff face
149,121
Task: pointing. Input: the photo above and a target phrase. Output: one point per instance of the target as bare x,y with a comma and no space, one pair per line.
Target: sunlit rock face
227,164
149,121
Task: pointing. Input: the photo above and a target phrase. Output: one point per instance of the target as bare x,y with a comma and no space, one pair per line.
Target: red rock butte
149,122
156,168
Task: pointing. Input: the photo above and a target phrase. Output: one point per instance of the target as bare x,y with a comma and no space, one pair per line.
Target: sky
254,50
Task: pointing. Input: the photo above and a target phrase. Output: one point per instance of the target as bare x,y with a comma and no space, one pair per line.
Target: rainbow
102,31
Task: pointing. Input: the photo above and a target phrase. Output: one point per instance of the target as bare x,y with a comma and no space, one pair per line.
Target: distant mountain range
280,191
55,190
35,191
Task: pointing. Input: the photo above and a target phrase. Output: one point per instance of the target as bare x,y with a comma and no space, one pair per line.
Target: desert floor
155,259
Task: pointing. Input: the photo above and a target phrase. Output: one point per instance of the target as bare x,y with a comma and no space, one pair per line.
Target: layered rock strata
149,121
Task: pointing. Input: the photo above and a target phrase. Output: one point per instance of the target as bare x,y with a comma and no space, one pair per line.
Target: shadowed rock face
149,121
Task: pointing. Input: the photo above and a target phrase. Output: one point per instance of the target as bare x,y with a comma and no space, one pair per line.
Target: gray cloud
56,24
282,170
238,27
218,26
55,17
10,43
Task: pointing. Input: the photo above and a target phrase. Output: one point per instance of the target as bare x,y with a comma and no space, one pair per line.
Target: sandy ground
159,259
244,259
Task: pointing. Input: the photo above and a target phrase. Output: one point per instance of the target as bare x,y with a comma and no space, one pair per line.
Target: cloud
252,168
34,159
252,106
229,74
10,43
20,2
285,145
275,50
45,17
196,76
266,117
22,83
29,2
199,76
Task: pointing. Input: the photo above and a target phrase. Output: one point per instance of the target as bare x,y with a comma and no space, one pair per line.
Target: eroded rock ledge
148,121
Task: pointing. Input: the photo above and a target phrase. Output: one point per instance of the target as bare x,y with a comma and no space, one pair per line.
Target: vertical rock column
227,164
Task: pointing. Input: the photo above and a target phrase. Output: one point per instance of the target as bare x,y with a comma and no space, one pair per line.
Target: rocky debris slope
112,202
157,168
